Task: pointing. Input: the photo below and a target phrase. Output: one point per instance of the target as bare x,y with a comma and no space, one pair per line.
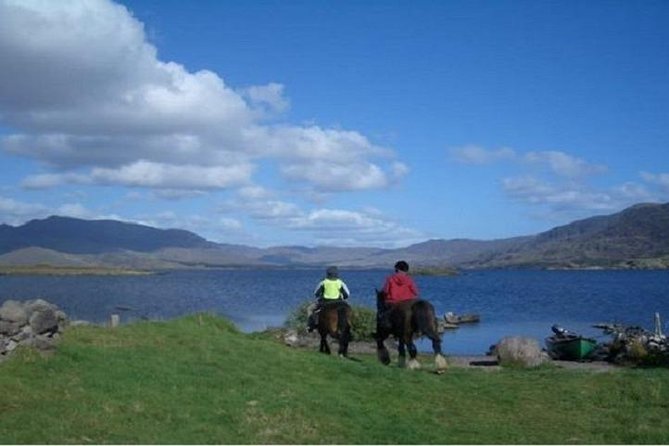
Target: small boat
452,318
569,346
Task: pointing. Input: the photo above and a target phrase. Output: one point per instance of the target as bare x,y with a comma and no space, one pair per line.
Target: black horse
334,319
413,318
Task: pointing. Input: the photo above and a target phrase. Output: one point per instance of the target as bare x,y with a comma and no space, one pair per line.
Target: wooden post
658,325
115,320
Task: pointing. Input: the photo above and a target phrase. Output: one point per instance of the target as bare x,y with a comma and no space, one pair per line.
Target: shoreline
48,270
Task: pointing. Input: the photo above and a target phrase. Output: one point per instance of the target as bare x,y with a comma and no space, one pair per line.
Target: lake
524,303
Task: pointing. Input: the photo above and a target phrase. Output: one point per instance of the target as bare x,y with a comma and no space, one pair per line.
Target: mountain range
637,237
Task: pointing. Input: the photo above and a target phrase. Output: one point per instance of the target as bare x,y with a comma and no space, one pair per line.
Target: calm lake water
509,302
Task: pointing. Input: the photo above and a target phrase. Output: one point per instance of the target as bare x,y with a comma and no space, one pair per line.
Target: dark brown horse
407,320
334,319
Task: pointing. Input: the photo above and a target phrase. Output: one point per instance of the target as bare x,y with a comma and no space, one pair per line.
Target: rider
398,287
330,289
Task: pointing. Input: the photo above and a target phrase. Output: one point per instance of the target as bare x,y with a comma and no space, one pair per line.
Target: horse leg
401,354
413,352
381,350
325,348
343,342
439,359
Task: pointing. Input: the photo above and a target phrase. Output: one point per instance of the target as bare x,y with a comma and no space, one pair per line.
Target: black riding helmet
332,272
402,266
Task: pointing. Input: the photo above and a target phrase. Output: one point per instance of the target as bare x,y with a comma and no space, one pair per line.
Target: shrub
363,323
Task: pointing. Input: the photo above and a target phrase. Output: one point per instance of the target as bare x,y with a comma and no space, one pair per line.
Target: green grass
198,380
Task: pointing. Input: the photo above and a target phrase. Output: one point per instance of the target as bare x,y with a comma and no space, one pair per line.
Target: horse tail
344,327
426,324
424,319
343,324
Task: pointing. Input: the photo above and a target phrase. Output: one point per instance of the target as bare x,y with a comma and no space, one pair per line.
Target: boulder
44,320
9,328
13,311
519,351
35,323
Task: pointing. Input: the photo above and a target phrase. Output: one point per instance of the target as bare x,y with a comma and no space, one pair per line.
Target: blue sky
375,123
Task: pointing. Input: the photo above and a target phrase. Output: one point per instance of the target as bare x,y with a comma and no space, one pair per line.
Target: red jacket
400,287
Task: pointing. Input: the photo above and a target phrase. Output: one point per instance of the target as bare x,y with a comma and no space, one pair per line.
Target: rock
35,323
11,345
519,351
44,343
38,305
13,311
9,328
44,320
291,338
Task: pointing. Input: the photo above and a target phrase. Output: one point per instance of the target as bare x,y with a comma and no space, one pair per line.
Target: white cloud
331,176
151,175
254,192
331,226
268,97
15,212
564,164
148,174
657,179
85,90
573,199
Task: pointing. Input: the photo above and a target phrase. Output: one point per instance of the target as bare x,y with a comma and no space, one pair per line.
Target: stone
35,323
13,311
520,352
43,342
11,345
38,305
9,328
44,320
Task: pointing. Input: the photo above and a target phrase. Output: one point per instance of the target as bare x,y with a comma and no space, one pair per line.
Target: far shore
48,270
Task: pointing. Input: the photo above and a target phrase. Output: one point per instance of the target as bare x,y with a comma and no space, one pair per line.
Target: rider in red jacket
400,286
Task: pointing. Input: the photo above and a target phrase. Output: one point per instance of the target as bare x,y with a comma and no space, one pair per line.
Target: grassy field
197,380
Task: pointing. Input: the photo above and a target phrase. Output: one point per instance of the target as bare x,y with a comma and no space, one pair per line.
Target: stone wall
35,323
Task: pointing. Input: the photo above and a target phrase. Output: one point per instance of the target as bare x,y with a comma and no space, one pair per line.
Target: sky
347,123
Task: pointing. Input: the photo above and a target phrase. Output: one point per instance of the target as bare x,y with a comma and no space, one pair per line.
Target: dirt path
481,362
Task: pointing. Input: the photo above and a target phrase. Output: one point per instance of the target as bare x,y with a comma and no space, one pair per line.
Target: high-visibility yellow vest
331,288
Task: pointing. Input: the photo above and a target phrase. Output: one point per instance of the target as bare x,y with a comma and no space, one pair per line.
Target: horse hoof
440,363
413,364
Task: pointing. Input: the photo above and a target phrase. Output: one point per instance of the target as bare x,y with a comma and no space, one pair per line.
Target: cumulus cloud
14,212
269,98
557,162
564,164
87,96
657,179
326,226
573,199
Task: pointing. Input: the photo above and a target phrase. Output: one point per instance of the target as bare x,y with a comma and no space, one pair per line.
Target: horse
334,319
408,319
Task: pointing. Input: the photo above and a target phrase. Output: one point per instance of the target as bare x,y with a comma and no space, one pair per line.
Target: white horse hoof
413,364
440,363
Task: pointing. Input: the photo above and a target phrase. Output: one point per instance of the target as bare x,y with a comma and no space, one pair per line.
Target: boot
312,322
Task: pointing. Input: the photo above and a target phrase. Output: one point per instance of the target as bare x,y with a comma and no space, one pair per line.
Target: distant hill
76,236
637,237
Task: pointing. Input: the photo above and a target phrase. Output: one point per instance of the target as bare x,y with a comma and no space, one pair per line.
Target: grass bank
48,270
198,380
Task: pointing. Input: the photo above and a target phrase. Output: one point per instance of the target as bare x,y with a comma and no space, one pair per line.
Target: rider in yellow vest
330,289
